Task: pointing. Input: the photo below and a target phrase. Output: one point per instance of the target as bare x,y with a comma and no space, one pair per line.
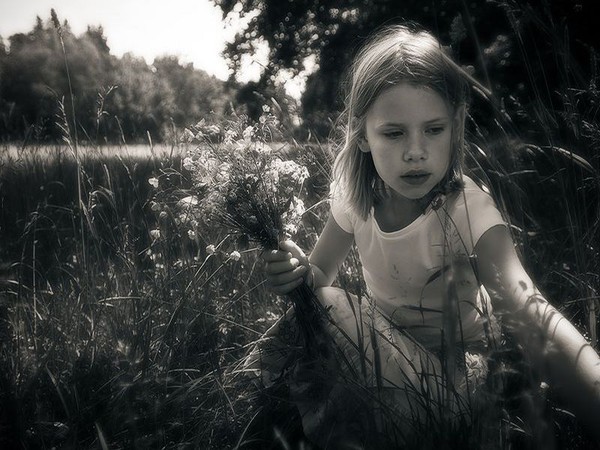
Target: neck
394,212
413,206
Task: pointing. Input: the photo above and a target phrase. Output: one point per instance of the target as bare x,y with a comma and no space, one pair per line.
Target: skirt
376,386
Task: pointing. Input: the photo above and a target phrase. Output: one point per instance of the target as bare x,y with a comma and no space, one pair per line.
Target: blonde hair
396,54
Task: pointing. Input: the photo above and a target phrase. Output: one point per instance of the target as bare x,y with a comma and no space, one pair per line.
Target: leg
385,380
385,356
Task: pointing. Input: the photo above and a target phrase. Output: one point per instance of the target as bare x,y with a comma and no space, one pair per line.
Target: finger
288,287
286,277
282,266
291,247
276,255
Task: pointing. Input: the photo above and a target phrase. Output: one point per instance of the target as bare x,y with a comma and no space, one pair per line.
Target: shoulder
341,207
471,196
472,211
472,188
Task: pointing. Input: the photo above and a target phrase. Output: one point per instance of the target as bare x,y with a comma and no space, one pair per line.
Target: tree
194,92
34,76
497,37
143,99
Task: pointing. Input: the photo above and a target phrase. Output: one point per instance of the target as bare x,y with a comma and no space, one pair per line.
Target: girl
436,255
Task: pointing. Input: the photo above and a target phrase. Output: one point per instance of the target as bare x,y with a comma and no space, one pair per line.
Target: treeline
114,99
537,58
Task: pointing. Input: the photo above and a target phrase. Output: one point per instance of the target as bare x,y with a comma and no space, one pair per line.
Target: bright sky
192,29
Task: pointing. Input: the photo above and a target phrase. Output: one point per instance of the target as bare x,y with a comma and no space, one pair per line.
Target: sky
192,29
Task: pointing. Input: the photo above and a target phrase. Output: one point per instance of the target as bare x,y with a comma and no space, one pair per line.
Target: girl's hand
285,268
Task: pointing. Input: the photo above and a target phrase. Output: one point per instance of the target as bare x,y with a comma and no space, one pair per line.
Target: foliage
116,99
119,321
524,51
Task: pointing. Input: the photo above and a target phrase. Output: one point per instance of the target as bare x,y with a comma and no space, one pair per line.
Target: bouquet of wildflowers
254,192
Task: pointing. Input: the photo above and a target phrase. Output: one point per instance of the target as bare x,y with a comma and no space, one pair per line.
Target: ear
362,142
363,145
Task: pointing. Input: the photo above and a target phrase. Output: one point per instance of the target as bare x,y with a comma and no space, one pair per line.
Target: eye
435,130
393,134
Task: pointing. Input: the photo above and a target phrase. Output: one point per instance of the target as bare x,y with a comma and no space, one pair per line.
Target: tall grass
122,328
139,345
127,345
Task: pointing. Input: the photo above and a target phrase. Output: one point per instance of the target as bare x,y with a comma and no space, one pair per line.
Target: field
122,327
126,314
118,328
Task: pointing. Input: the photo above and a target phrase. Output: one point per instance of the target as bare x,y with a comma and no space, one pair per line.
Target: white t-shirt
404,269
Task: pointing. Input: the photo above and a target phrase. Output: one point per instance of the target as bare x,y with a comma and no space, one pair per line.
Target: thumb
290,246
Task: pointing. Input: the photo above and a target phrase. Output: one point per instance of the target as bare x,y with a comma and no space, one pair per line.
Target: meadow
124,324
122,327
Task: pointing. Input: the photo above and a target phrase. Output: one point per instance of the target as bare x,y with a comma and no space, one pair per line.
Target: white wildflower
210,249
476,365
229,136
271,179
212,129
248,133
262,148
235,255
224,328
153,182
187,203
288,176
476,371
188,135
188,164
191,234
155,234
293,216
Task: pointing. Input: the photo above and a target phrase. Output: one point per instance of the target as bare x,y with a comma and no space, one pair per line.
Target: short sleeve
340,208
473,214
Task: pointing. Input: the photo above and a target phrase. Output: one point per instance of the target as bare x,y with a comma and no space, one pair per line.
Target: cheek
445,152
448,149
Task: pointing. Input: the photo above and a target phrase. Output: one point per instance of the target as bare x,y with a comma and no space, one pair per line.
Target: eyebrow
428,122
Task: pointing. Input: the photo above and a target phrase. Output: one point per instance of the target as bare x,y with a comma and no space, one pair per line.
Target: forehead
406,103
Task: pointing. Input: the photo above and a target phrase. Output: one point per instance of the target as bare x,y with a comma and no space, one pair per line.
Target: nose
415,148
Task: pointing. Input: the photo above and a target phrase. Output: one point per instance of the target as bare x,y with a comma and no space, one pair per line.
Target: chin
413,196
416,194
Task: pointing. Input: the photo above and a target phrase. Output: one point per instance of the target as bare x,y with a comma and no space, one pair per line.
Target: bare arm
556,347
329,253
288,267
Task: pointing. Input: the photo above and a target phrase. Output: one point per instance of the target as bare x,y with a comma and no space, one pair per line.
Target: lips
415,177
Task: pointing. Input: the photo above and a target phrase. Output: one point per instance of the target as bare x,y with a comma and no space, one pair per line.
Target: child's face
408,132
